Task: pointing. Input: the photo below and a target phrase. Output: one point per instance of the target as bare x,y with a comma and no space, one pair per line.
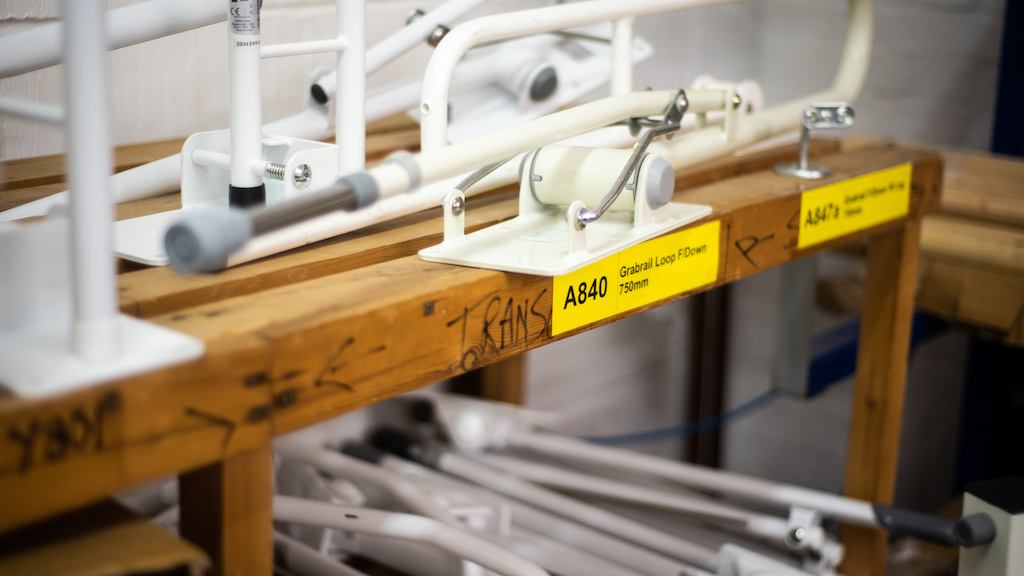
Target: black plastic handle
969,531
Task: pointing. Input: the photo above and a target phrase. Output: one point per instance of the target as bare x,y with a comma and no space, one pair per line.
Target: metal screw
437,35
274,170
302,175
414,15
797,535
681,102
458,205
736,101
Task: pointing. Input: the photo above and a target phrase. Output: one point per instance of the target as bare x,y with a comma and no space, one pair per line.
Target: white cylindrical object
404,527
559,175
350,119
587,514
40,46
244,92
753,489
95,335
622,56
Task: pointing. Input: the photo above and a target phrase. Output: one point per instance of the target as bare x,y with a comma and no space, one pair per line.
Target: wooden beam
226,508
880,381
286,357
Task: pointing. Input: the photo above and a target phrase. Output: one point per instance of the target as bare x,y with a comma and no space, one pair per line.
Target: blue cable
702,425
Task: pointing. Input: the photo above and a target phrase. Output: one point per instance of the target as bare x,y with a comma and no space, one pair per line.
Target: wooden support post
226,510
886,320
505,380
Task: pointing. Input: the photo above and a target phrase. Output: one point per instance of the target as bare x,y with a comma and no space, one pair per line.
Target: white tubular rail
604,520
436,79
434,101
448,161
40,47
95,336
700,477
759,525
341,466
404,527
564,530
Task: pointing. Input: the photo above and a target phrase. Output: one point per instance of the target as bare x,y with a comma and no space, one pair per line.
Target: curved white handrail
436,80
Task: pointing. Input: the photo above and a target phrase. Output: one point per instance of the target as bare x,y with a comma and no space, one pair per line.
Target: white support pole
350,121
245,99
86,95
622,56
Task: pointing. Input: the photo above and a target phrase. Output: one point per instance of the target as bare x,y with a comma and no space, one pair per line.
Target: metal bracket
816,117
669,122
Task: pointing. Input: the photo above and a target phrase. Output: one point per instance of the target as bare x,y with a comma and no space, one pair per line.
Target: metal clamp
816,117
669,122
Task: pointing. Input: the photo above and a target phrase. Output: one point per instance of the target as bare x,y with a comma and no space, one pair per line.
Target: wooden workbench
303,337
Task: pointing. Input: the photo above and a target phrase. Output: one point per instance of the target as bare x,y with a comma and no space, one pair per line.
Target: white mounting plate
537,243
36,360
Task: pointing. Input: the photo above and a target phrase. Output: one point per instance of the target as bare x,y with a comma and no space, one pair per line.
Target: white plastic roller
560,175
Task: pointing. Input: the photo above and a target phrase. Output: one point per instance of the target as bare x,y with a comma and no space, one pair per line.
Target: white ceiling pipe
40,46
404,527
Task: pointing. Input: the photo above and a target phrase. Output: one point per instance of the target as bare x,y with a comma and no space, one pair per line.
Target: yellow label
645,273
855,204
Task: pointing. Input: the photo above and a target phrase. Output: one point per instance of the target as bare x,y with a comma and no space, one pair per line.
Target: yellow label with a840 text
645,273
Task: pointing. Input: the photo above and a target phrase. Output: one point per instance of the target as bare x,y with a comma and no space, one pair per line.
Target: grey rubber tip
203,239
544,84
364,188
975,530
660,183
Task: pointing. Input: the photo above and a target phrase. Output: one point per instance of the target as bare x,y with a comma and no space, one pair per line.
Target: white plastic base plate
537,243
142,239
37,361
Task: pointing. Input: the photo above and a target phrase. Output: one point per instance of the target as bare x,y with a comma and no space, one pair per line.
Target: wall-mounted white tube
404,527
95,336
350,121
437,78
752,489
40,46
